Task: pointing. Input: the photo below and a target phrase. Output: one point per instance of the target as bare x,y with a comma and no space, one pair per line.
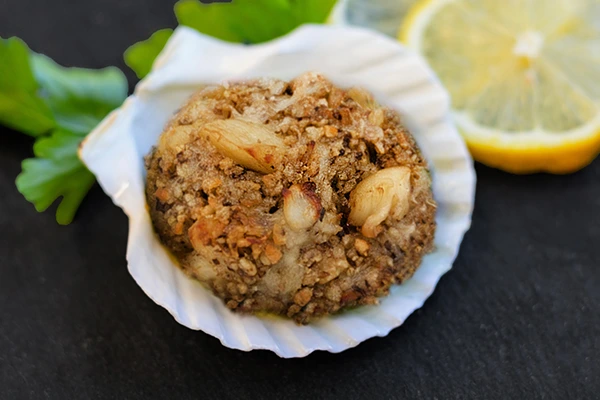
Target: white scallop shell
114,152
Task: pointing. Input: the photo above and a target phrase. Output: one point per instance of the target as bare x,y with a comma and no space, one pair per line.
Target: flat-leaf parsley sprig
59,106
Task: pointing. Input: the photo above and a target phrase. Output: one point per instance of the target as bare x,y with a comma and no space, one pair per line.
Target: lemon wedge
524,77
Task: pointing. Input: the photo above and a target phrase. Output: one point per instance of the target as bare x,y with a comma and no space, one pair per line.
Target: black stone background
517,318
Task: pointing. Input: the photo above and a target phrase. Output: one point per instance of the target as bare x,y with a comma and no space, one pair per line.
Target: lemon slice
524,76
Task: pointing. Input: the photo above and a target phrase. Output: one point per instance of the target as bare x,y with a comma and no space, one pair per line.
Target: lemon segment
524,77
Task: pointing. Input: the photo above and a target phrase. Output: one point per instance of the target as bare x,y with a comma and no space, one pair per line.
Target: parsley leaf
20,107
243,21
251,21
141,55
79,98
56,171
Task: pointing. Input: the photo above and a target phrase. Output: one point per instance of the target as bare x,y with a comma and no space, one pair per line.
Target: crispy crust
227,224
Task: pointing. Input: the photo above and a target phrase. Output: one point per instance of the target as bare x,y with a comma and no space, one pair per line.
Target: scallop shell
114,152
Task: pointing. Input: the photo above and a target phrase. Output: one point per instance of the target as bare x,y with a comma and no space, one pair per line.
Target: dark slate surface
518,317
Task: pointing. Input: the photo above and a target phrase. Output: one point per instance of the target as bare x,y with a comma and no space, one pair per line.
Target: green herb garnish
59,106
20,107
55,172
141,55
79,98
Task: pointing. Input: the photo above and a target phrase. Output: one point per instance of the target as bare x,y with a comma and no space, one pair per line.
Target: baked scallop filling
297,198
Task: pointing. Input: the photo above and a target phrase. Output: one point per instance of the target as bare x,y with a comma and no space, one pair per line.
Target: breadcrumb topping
251,187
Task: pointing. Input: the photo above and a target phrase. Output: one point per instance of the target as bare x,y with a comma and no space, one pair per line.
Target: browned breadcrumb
265,225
